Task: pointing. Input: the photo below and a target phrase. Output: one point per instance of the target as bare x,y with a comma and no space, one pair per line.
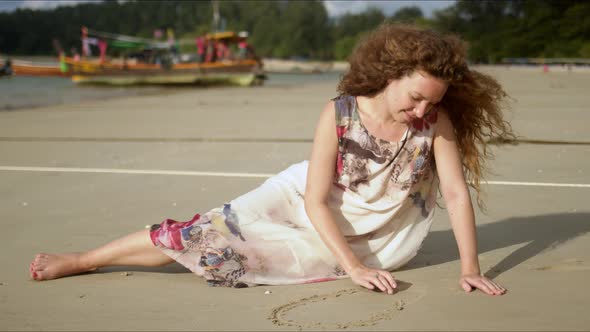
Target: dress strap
344,107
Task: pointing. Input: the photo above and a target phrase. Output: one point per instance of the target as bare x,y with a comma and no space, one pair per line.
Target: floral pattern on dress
426,122
361,156
222,265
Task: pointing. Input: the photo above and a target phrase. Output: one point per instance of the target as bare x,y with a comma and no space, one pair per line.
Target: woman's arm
456,195
320,178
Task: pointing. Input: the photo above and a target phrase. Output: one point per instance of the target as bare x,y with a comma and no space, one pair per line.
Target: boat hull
241,73
38,70
239,79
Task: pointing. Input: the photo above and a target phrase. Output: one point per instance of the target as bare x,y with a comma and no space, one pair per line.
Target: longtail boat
237,71
240,72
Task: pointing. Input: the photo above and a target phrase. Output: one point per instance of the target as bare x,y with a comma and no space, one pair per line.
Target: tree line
289,28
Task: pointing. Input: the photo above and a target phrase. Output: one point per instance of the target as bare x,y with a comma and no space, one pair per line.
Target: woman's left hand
488,286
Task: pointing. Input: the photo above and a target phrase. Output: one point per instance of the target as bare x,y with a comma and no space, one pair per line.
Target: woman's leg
133,249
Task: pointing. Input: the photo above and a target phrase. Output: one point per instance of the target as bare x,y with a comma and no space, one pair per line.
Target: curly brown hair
473,101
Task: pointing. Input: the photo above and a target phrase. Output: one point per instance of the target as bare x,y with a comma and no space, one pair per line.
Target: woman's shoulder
443,122
442,117
329,108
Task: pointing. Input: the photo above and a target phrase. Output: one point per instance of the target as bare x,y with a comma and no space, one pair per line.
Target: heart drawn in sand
308,312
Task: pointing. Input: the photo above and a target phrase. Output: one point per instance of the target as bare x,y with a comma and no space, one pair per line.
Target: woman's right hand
371,278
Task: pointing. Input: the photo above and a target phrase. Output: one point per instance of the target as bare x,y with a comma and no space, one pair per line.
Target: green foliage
343,47
407,15
519,28
584,50
349,28
291,28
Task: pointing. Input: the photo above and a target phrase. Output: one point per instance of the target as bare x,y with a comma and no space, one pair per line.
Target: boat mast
216,17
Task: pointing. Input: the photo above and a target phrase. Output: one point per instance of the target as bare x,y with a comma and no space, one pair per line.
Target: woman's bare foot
53,266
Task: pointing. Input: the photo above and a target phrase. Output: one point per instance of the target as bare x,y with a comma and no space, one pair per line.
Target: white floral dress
383,200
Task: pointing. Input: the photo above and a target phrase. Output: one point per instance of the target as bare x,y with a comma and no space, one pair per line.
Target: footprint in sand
572,264
325,311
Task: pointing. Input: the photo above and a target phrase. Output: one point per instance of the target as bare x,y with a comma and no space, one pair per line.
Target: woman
410,112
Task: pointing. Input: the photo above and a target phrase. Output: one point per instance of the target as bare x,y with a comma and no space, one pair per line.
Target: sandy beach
75,176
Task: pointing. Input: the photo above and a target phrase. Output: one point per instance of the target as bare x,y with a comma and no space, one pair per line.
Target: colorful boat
237,71
242,73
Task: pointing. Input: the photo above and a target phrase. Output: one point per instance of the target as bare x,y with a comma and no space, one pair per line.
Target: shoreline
275,65
60,91
307,67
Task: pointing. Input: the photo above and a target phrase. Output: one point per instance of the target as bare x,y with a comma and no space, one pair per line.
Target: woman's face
413,96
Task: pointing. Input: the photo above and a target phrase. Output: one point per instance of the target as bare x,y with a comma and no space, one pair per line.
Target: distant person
6,69
243,45
212,52
223,51
201,46
75,54
63,64
243,50
411,118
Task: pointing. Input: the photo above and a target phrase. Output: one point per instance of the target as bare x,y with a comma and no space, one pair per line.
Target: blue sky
339,7
334,7
10,5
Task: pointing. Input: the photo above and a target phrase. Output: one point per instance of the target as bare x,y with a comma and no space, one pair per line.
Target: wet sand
534,240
